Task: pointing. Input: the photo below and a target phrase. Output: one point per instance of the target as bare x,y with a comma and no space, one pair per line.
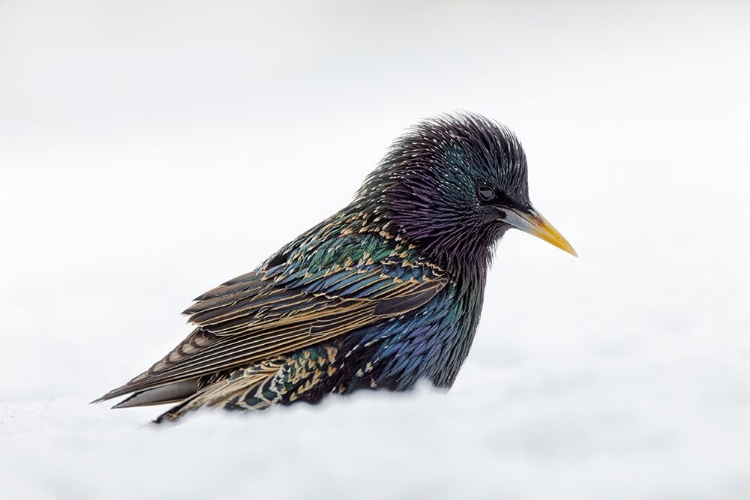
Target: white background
151,150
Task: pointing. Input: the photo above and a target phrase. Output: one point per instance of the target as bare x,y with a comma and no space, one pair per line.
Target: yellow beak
532,222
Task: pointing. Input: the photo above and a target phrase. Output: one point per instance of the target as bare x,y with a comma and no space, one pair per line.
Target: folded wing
304,298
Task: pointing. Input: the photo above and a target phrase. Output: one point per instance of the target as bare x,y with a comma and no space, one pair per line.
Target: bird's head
454,185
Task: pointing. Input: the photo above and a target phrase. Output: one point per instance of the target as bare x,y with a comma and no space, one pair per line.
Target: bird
386,292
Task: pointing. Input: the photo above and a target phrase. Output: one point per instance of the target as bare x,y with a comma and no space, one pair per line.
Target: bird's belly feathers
430,343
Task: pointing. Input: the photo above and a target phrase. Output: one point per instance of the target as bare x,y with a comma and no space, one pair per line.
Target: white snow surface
151,150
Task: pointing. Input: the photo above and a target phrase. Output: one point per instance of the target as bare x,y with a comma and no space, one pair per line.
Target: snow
149,152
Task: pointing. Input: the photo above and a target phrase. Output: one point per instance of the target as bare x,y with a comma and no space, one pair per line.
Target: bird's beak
532,222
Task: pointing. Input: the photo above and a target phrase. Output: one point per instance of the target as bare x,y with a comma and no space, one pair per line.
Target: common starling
382,294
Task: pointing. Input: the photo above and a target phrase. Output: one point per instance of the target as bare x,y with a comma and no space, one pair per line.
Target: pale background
151,150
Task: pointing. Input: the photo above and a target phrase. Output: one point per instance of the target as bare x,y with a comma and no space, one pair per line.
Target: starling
384,293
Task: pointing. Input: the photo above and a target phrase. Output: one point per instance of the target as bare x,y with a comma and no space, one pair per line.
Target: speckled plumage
383,293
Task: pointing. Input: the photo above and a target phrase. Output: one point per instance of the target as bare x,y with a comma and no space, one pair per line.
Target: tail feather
171,393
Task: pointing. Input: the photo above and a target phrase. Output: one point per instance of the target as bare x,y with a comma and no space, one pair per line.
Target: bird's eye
486,193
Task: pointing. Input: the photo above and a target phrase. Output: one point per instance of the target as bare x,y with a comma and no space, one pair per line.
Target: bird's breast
431,343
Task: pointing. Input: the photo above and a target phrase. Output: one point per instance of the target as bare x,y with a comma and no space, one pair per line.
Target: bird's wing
297,299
